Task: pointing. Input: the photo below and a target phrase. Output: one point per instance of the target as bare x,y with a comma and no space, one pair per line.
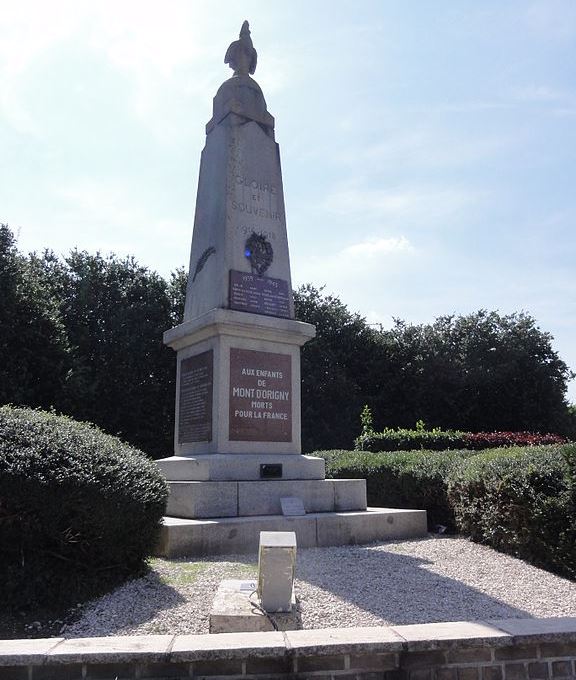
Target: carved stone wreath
258,250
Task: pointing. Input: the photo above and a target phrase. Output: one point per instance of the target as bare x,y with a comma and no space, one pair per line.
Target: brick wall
512,649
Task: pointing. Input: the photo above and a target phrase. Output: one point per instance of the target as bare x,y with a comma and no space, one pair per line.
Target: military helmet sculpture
241,55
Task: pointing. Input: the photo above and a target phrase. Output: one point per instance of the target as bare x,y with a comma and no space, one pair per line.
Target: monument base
241,467
229,535
234,611
197,500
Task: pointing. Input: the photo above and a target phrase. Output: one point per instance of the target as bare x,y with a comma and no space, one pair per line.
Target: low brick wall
511,649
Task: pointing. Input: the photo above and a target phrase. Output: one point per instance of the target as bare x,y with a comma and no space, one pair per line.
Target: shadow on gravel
397,588
131,604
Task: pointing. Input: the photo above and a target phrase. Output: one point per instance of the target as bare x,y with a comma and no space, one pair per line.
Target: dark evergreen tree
35,358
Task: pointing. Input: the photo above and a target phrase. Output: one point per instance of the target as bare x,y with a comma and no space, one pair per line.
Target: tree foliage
479,372
83,335
35,359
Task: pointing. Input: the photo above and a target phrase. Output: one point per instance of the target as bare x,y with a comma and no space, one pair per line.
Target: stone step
228,535
240,467
197,500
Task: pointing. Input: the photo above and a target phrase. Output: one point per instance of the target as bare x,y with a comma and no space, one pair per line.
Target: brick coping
299,643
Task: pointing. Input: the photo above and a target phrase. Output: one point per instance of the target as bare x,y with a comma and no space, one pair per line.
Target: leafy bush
414,479
522,502
79,509
403,439
492,440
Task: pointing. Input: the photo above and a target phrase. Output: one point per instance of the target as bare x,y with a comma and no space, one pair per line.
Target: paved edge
317,642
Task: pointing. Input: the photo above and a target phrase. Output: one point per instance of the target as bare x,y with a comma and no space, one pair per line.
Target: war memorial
237,467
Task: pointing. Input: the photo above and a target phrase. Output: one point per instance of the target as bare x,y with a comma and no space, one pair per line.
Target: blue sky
428,148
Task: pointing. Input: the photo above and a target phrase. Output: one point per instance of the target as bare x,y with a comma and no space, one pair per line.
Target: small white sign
247,586
292,506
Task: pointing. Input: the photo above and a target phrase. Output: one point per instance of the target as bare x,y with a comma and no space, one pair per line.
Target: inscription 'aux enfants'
253,208
260,396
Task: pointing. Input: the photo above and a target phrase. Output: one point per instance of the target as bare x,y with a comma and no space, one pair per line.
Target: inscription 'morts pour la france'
260,396
258,294
195,403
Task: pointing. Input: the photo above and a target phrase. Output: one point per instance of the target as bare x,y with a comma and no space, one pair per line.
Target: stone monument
237,433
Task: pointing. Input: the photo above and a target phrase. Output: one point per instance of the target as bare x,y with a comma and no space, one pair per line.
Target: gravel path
434,579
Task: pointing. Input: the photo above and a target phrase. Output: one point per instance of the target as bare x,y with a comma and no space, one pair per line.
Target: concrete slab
324,641
26,652
148,648
180,537
444,634
202,499
263,498
227,646
199,500
349,494
376,524
219,536
239,467
234,610
539,630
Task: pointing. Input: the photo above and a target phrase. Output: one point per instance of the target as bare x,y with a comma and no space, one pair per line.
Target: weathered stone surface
220,536
233,611
24,652
332,641
377,524
239,466
144,648
202,499
446,634
197,500
227,646
557,628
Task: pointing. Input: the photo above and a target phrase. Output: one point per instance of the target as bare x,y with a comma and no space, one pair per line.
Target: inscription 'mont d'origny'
260,396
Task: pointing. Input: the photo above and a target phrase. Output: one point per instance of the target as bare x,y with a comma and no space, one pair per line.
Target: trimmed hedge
441,440
79,509
522,502
407,479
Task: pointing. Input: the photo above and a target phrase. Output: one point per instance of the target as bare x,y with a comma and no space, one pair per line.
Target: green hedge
404,439
406,479
79,510
522,502
442,440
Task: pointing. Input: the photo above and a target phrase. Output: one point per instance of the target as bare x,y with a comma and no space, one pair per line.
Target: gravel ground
434,579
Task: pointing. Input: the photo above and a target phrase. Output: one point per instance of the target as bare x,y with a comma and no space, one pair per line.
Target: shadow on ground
393,587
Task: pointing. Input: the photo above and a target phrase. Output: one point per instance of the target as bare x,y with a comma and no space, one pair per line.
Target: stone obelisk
237,451
238,375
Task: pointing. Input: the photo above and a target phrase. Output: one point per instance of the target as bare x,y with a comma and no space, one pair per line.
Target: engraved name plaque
260,396
195,410
259,294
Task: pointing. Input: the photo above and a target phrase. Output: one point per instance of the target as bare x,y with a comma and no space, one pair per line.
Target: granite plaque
195,406
259,294
260,396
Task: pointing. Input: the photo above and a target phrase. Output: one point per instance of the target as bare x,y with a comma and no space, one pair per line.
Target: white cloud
377,246
422,205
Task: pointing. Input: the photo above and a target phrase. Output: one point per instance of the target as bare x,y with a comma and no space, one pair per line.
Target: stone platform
226,535
200,500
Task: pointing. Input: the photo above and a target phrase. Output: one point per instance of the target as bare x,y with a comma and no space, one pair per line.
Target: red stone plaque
259,294
195,408
260,396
